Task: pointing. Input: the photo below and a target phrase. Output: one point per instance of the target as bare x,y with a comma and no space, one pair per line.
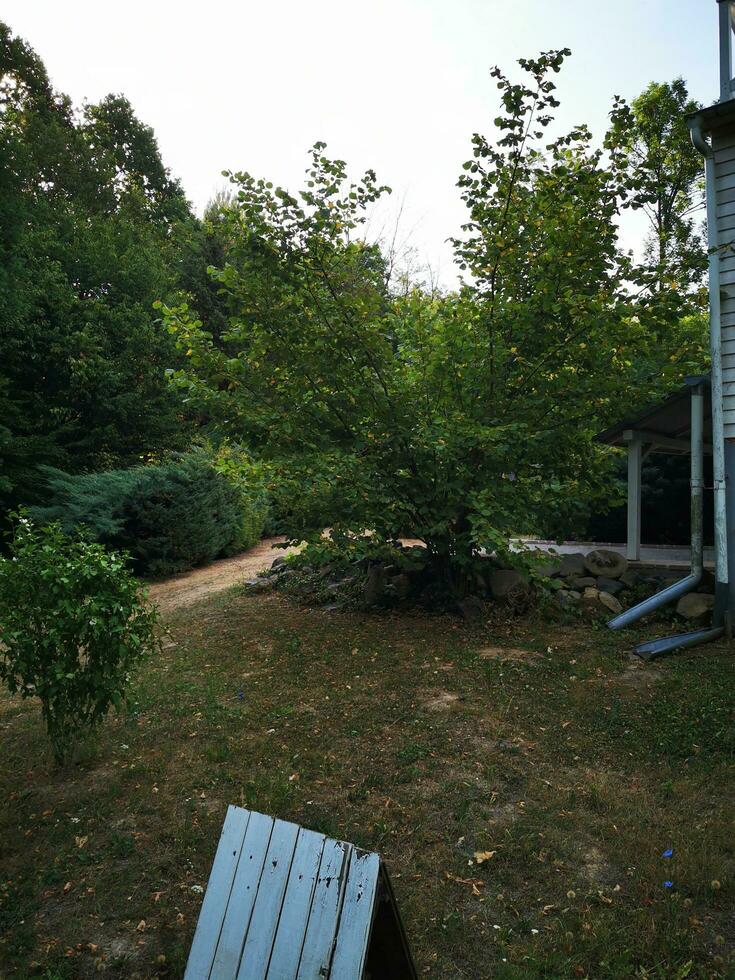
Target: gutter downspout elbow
692,580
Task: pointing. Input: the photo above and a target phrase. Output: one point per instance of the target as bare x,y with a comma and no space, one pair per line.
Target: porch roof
665,425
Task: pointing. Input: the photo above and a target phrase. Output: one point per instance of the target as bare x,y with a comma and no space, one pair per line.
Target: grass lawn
425,739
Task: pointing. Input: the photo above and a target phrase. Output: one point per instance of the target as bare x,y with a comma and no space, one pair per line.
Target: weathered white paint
635,458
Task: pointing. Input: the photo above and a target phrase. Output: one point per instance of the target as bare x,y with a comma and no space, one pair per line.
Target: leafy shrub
236,464
170,517
72,624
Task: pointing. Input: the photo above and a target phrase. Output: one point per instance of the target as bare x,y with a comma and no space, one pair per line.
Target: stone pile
598,583
601,580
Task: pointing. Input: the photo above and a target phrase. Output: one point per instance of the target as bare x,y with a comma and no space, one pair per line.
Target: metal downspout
654,648
718,440
697,548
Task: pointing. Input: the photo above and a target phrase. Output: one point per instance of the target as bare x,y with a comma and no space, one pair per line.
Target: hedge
170,517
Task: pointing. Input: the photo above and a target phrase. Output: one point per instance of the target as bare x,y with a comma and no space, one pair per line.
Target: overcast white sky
397,85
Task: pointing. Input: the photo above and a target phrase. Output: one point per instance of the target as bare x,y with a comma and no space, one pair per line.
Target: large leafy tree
459,419
649,139
88,216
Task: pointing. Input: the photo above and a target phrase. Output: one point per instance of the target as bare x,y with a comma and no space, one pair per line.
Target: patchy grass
417,737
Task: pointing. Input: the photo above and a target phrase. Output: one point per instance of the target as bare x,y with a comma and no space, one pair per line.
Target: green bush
169,517
72,625
236,464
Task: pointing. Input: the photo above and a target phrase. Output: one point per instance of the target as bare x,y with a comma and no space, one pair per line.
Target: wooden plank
727,262
724,197
325,909
724,153
727,277
356,921
725,183
217,894
725,227
242,898
724,210
723,140
633,541
296,906
271,890
724,167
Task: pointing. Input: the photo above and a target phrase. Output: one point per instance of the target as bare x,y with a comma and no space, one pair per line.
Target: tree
649,139
88,215
460,419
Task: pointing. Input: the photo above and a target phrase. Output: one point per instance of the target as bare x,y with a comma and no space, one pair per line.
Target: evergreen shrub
169,517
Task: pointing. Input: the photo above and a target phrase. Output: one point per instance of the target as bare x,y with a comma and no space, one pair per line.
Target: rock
695,605
506,583
572,565
586,582
374,585
610,585
590,594
629,578
607,563
567,597
471,608
549,568
278,562
609,602
402,585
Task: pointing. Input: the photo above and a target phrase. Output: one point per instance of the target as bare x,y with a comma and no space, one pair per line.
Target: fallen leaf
141,926
482,856
81,841
475,883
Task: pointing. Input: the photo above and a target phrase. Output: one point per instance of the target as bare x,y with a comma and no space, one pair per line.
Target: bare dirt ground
189,587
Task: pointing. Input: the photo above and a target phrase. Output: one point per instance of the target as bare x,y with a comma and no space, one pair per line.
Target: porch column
635,457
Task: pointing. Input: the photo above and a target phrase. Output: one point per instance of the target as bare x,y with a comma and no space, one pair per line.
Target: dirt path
189,587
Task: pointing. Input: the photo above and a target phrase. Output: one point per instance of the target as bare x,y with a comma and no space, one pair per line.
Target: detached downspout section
718,434
692,580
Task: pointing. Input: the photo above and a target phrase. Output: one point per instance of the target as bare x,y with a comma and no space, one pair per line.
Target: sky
396,85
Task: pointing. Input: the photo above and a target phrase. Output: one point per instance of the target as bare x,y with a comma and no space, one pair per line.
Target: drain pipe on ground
654,648
692,580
